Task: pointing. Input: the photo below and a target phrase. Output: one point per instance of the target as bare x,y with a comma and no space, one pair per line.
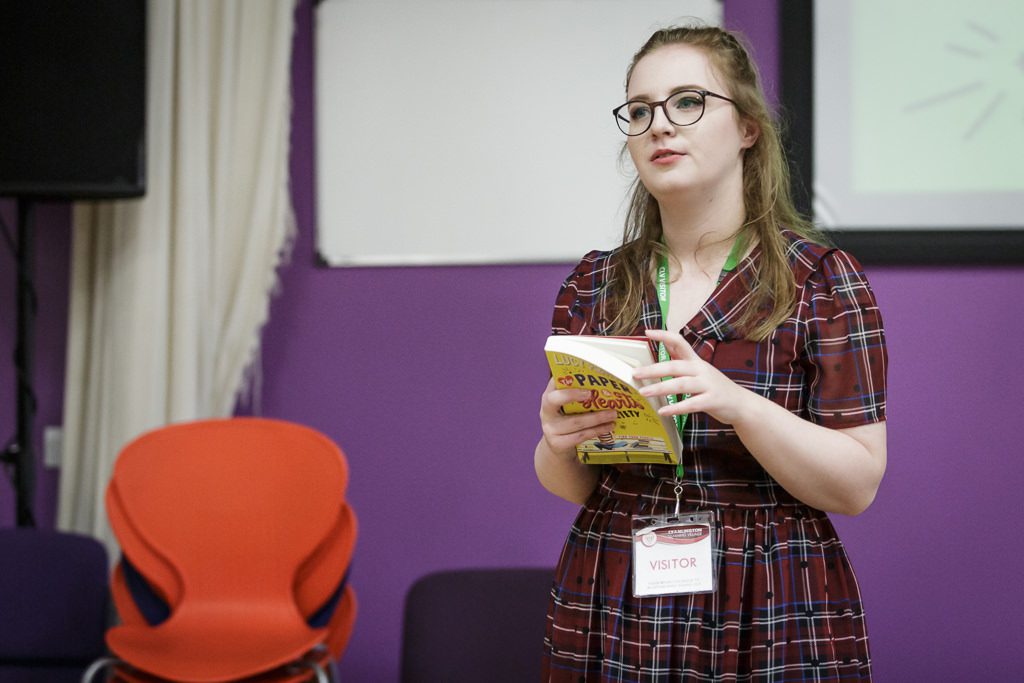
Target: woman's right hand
558,468
562,433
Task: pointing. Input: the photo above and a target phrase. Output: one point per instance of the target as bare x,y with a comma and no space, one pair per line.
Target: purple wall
429,379
52,272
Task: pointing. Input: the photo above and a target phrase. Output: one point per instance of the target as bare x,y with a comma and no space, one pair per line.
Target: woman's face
705,156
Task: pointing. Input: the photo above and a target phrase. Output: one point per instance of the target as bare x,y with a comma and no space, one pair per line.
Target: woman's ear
749,132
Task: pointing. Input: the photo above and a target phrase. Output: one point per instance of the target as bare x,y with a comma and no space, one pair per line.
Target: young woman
772,344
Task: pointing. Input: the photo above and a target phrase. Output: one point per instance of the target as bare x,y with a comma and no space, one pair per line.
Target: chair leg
318,672
97,666
313,660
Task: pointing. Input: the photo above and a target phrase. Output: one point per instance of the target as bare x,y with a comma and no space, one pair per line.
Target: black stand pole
22,452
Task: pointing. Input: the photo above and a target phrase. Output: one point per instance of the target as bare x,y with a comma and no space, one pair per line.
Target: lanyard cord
731,262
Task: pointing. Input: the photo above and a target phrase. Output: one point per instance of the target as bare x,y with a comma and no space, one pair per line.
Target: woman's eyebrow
647,98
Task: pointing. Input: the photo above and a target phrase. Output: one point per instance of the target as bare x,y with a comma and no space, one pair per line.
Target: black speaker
73,98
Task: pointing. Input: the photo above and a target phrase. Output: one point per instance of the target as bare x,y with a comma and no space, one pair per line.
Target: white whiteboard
919,115
475,131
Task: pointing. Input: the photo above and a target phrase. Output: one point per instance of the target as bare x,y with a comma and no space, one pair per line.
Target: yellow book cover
604,366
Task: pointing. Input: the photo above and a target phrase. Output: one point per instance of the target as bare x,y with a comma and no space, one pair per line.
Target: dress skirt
786,608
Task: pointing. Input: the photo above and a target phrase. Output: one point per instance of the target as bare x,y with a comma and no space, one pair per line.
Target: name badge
672,554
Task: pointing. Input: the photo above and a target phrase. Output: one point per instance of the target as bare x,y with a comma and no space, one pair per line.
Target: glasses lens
685,107
633,118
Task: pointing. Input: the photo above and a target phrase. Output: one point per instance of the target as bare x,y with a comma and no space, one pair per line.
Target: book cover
604,367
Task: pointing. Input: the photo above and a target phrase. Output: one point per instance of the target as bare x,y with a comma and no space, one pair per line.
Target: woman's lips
666,156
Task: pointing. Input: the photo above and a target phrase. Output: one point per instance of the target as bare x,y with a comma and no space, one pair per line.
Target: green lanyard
662,287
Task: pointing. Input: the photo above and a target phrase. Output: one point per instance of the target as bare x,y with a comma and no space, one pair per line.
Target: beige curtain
169,292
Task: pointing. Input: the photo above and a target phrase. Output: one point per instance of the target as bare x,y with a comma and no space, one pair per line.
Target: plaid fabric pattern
787,606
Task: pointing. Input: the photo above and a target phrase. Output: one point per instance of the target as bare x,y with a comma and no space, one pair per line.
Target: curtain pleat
169,293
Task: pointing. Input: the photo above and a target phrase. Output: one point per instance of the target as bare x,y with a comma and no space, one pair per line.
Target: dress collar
717,317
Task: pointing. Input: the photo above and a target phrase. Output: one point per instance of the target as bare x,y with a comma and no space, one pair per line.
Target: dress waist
660,491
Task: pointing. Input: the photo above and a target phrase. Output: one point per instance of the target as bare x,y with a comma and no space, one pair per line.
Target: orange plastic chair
131,615
159,572
342,623
315,582
313,587
339,628
124,604
298,673
236,508
318,577
339,631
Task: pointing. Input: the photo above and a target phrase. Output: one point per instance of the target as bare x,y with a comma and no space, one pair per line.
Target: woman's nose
659,120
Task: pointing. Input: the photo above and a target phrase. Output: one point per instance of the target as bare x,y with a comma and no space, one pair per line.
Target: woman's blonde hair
766,197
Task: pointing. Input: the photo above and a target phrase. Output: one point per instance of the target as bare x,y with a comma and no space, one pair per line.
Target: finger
595,432
571,441
673,385
559,441
668,368
570,424
552,412
556,399
688,405
674,342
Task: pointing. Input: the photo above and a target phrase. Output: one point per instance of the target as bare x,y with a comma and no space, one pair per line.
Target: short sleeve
845,356
578,296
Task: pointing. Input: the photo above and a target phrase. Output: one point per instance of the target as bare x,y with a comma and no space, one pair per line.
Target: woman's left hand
709,390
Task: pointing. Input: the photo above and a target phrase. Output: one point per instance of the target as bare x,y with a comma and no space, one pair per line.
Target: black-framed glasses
683,108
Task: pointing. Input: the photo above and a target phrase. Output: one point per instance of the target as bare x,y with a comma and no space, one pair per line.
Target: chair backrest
235,507
316,581
163,580
475,625
53,601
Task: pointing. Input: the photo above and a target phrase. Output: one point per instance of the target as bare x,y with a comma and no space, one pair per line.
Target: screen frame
918,246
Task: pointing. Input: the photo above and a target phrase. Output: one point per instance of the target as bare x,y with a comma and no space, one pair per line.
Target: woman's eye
688,102
639,112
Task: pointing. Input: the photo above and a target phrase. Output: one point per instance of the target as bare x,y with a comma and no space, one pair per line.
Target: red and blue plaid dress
787,606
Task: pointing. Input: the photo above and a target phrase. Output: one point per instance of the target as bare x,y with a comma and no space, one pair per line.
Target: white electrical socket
53,445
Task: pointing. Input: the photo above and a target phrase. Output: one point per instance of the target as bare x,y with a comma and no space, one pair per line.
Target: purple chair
476,625
54,599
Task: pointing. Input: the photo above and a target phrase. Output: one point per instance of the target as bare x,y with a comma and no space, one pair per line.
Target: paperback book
604,367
